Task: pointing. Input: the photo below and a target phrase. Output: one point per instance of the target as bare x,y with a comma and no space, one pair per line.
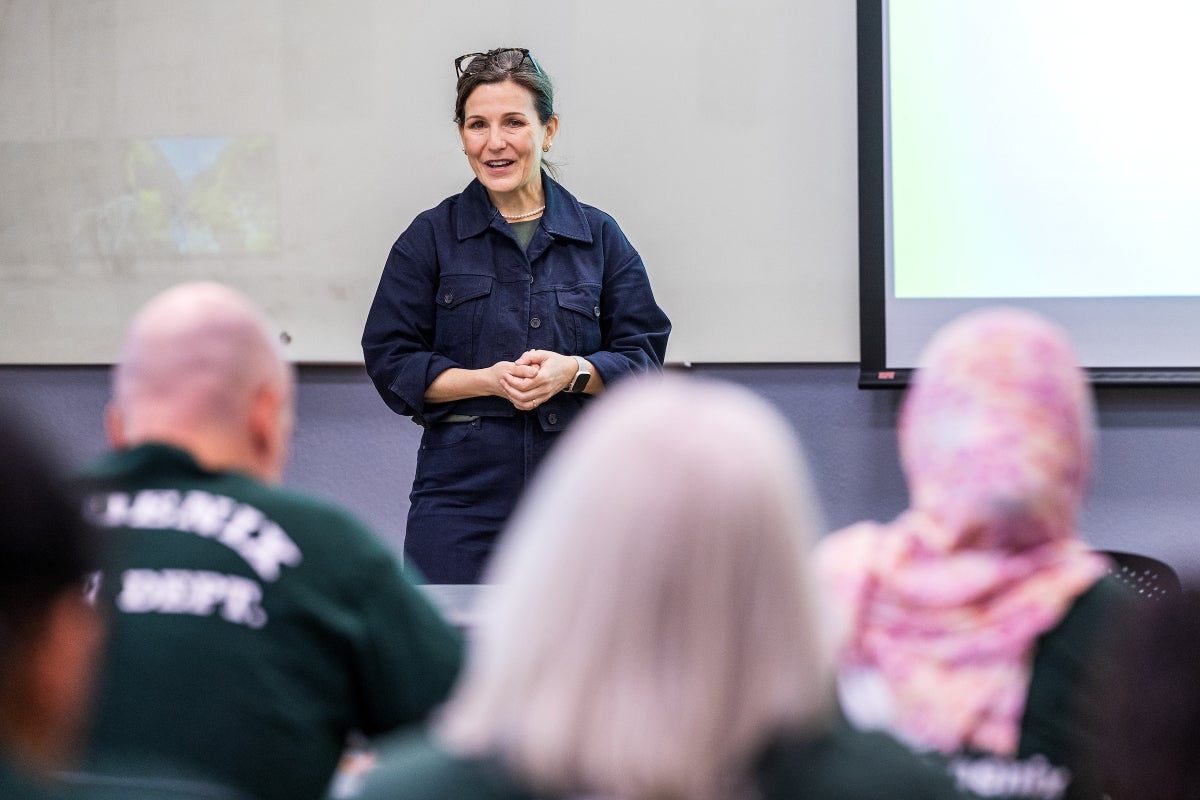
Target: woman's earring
546,147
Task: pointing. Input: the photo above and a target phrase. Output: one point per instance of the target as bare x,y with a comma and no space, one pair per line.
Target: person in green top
49,634
649,630
253,628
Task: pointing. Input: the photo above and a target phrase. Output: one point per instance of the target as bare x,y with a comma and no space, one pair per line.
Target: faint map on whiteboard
119,202
220,196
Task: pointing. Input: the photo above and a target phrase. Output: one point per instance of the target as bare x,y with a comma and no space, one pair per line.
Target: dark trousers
469,478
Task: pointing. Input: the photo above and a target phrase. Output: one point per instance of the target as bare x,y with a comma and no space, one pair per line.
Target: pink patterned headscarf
945,603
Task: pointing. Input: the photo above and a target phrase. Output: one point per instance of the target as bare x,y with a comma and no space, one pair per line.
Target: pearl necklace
523,216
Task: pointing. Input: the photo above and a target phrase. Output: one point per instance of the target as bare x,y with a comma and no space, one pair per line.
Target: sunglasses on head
471,63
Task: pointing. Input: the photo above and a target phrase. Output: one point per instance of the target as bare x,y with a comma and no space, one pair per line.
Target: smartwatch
580,381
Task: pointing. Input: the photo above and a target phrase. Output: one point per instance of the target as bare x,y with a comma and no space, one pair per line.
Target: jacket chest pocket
580,310
460,305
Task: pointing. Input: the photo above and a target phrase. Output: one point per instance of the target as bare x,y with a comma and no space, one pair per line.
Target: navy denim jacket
458,291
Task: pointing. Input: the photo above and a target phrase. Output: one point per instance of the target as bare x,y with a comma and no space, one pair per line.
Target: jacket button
596,311
552,419
535,323
448,297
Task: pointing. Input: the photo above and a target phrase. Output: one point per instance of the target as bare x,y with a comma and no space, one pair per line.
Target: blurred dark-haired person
499,315
252,627
50,635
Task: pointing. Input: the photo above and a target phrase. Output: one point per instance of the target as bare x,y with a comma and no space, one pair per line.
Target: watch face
580,382
581,377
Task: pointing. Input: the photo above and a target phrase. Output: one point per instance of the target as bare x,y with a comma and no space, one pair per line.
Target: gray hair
651,624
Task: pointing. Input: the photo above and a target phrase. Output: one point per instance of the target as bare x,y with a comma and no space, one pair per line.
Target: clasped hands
535,377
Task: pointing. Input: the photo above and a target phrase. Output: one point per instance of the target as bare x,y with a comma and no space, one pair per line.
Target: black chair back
1147,576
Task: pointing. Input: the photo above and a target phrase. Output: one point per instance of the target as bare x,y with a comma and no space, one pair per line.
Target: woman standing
499,313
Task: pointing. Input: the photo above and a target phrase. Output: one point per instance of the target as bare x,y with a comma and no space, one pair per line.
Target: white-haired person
973,618
650,630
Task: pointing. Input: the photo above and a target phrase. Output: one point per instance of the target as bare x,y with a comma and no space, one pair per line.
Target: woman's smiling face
503,140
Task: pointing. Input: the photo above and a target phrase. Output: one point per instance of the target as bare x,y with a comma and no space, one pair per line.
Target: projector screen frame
876,372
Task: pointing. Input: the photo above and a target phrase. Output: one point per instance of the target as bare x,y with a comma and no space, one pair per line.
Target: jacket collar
563,215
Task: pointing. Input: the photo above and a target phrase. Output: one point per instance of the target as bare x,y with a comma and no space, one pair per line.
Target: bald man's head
200,370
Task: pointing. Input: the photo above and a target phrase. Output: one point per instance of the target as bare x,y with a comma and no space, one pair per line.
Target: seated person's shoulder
1100,602
1073,643
326,532
145,777
416,766
845,762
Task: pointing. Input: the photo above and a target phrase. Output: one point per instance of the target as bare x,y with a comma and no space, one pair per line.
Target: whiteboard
282,146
